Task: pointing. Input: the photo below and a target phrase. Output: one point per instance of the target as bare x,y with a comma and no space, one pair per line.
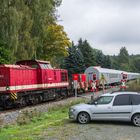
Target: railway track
84,95
11,116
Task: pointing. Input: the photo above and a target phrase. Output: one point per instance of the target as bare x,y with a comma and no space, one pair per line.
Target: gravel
96,131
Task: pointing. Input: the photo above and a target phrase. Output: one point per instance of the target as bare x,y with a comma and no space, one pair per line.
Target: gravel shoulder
93,131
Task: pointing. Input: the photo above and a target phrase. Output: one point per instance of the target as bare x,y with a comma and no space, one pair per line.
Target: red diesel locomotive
31,82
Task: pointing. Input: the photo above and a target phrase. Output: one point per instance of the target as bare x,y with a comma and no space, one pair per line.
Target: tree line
83,55
29,29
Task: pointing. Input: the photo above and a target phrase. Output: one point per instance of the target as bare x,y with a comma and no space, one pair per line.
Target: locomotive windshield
45,66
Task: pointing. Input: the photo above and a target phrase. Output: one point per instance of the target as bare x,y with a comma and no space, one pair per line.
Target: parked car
118,106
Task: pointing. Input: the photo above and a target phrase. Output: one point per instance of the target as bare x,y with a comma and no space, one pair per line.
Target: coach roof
105,70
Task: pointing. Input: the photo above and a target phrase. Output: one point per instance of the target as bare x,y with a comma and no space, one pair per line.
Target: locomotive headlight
7,88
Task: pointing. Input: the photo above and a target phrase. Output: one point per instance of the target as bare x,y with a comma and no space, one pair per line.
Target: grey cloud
111,23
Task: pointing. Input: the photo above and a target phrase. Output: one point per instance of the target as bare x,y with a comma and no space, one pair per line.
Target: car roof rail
113,92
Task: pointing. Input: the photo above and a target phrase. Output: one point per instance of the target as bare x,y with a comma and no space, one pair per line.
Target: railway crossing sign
123,84
93,86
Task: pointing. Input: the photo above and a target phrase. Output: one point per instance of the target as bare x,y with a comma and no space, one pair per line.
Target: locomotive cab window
45,66
63,76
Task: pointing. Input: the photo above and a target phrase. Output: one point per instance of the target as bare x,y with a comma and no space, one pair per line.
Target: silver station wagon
118,106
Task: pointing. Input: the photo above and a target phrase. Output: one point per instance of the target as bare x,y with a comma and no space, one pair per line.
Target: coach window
121,100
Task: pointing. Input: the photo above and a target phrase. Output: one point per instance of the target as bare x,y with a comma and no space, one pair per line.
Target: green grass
134,85
34,129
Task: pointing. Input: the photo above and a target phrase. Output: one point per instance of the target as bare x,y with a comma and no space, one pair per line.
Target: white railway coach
111,76
132,76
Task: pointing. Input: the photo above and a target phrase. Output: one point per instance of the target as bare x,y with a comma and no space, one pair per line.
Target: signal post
75,83
123,81
93,85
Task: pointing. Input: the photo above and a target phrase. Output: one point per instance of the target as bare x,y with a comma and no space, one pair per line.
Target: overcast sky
106,24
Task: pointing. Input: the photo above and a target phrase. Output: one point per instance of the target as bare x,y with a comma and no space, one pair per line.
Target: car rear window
135,99
121,100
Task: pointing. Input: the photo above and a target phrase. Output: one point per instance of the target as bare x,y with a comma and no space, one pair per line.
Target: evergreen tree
123,56
99,58
107,62
87,52
74,62
136,64
123,59
114,62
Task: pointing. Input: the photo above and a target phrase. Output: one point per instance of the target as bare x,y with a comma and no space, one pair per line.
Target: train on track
34,81
111,76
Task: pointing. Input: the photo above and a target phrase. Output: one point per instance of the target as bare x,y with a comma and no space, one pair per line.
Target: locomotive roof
16,66
38,61
41,61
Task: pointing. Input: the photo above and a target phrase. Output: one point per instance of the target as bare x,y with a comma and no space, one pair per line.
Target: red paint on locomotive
31,75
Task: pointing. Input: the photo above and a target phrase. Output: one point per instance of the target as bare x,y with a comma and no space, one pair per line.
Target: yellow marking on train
14,95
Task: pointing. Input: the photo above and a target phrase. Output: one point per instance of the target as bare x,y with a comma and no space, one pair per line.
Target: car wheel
136,120
83,118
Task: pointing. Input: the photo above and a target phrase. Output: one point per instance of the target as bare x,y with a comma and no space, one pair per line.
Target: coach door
90,76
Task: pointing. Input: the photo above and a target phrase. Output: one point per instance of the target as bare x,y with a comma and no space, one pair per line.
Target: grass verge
134,85
56,116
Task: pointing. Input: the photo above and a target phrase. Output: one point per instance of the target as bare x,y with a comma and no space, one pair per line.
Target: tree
107,62
74,62
99,58
30,29
123,59
136,64
4,54
55,42
88,53
123,56
114,62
